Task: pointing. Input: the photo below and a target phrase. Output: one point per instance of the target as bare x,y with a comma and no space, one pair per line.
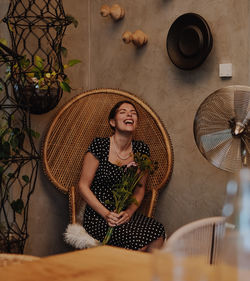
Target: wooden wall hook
139,38
116,12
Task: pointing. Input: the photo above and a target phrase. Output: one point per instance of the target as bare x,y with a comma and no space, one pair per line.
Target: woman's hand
112,218
123,218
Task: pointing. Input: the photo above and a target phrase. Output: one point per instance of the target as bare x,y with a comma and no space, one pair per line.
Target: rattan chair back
86,117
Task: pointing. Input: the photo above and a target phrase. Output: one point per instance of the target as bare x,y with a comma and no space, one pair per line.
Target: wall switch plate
225,70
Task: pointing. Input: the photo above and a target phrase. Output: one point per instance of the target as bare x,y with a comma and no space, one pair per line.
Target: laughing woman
103,167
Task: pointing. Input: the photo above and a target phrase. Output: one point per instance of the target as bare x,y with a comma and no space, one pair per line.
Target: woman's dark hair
114,109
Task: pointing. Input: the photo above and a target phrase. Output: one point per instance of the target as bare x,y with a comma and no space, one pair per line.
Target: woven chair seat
86,117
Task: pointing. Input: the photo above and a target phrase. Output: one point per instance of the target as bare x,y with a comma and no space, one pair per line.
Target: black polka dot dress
140,230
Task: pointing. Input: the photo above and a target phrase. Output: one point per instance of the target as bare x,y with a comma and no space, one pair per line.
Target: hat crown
190,41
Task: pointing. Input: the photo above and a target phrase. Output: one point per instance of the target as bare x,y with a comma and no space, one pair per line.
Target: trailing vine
18,163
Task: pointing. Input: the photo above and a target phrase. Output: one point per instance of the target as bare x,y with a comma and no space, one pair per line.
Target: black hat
189,41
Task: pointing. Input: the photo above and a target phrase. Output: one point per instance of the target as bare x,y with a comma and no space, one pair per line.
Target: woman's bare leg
144,249
156,244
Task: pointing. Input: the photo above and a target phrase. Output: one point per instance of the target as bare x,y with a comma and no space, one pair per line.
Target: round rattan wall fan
222,128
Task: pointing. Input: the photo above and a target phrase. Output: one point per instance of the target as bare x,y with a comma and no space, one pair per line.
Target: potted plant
38,87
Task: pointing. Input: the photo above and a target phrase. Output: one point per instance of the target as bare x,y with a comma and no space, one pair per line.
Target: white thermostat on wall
225,70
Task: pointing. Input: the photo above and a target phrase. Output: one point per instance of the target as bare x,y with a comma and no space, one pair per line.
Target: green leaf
26,178
24,62
14,142
4,132
10,175
64,51
33,133
17,138
20,138
73,62
16,131
108,202
4,150
7,76
10,26
39,62
1,170
65,86
66,79
56,67
17,205
71,19
3,41
33,69
40,82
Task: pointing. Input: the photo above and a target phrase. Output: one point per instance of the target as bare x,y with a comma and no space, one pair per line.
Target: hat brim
172,44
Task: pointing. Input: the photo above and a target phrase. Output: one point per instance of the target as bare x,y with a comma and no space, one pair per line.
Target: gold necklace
119,156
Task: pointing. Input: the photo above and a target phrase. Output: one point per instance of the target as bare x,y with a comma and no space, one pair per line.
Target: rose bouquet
123,191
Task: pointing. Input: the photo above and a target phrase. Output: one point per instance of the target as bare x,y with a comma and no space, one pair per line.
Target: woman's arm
90,165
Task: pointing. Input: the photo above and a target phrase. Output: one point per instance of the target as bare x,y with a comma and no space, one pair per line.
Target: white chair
201,237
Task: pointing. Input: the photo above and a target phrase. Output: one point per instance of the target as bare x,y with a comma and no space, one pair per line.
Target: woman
103,166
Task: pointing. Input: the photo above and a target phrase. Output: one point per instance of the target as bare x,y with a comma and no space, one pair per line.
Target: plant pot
35,100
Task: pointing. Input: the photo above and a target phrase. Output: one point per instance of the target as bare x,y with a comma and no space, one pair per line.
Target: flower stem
108,235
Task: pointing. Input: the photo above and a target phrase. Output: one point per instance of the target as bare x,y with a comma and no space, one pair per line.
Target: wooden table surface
100,263
105,263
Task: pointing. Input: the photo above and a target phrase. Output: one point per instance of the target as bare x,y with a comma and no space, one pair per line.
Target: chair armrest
148,204
153,200
72,204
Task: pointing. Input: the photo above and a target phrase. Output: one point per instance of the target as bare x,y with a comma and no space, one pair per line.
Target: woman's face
126,118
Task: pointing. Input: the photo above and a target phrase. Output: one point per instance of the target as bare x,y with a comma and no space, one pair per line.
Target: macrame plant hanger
37,29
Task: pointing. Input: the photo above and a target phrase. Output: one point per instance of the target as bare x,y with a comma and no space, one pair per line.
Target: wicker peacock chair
86,117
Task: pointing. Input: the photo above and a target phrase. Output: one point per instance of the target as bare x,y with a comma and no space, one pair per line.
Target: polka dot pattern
140,230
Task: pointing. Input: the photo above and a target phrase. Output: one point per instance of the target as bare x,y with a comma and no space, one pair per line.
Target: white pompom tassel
77,236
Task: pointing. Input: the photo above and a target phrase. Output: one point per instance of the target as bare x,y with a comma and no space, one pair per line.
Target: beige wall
196,189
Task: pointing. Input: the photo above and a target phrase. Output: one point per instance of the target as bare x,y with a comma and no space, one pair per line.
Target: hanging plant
38,78
36,87
15,185
41,78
